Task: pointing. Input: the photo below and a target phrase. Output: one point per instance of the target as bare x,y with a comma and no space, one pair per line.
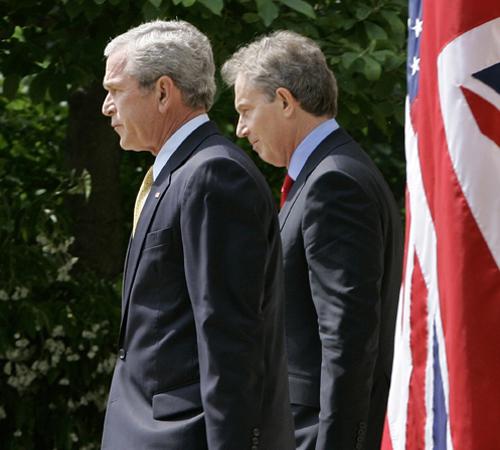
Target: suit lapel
327,146
125,272
158,189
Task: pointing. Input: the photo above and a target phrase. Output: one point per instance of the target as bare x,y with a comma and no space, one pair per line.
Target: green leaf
213,5
156,3
301,6
348,58
353,107
10,86
99,2
267,10
372,69
375,31
394,61
394,21
382,55
86,180
362,12
188,3
347,24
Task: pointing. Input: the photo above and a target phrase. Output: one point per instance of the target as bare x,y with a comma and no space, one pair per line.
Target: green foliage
362,39
55,341
58,320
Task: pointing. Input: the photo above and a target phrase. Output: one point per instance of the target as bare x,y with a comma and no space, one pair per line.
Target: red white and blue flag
445,389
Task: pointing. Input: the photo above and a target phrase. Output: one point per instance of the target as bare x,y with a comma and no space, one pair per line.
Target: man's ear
287,100
164,86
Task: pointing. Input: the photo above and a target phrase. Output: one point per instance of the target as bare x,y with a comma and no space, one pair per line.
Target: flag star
418,27
415,65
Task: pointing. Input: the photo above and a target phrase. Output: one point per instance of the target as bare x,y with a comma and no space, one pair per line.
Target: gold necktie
142,195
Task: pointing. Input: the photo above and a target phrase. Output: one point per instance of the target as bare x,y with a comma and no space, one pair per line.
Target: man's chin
129,148
268,158
137,150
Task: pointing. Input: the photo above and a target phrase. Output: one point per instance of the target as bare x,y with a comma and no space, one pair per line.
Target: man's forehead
115,66
116,62
247,92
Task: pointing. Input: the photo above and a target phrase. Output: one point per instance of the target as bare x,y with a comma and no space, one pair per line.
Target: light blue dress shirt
308,145
174,141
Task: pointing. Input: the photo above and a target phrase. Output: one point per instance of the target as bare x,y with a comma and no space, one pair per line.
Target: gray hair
174,48
287,59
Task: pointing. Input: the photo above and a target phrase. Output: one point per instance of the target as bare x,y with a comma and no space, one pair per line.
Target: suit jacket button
255,440
254,447
122,354
256,432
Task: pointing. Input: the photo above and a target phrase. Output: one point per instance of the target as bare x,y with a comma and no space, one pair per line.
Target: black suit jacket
202,361
342,248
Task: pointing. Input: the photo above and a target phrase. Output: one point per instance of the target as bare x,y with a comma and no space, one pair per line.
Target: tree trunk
93,145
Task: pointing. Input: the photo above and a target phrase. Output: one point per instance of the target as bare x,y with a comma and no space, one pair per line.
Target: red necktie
285,189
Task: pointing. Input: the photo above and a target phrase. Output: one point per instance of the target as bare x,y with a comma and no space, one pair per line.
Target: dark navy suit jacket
202,348
342,248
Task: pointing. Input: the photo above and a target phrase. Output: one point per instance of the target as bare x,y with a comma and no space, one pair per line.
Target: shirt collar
174,141
308,145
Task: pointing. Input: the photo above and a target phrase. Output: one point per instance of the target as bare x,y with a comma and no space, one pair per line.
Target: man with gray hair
341,238
202,362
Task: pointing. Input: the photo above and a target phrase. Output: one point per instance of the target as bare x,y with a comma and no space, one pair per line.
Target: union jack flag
445,389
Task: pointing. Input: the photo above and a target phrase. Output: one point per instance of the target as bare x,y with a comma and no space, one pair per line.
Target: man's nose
241,129
107,106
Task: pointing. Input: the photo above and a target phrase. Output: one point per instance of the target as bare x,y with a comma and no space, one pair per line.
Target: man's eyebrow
241,105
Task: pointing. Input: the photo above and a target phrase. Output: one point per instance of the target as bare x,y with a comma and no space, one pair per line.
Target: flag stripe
486,115
415,424
386,437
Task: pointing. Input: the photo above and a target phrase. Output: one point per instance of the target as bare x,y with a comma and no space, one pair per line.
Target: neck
175,121
304,124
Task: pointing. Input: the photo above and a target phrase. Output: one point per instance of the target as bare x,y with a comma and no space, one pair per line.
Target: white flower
63,271
73,357
41,366
22,343
88,334
20,293
58,331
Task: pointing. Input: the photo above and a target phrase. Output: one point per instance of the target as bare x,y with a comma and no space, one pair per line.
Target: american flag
445,390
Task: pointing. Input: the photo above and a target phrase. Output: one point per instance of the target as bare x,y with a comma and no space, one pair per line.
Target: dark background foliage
66,189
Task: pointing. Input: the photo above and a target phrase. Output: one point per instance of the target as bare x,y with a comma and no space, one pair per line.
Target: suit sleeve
343,241
223,218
